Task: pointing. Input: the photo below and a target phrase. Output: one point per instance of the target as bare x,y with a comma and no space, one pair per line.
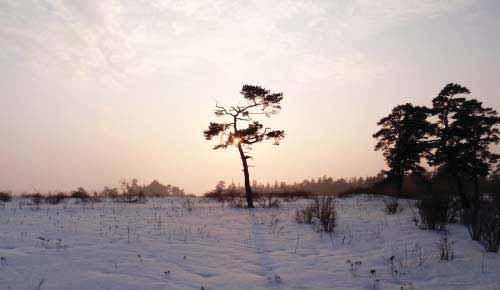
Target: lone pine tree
241,128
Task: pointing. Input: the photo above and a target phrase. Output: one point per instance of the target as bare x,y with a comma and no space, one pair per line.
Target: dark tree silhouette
259,102
403,141
465,131
447,144
476,128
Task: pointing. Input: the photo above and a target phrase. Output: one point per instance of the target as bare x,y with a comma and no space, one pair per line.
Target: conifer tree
241,128
403,141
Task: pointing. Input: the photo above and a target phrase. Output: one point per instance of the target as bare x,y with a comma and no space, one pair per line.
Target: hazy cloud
121,39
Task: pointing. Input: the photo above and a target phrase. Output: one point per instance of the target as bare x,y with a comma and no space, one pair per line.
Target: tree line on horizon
323,185
153,189
414,185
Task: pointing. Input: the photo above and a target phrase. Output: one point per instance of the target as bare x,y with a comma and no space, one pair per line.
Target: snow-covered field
198,244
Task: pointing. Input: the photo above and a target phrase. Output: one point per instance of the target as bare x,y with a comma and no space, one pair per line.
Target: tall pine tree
465,132
403,141
447,142
476,126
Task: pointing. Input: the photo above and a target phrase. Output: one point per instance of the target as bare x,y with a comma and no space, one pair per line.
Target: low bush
321,213
130,193
131,197
36,198
490,235
305,215
80,194
56,198
111,193
472,219
291,194
356,190
232,193
188,204
484,225
5,196
446,249
435,212
267,201
225,195
391,205
237,202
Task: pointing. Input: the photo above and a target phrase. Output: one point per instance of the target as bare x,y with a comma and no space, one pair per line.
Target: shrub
56,198
321,213
435,212
391,205
237,202
291,194
327,214
5,196
36,198
472,219
305,215
188,204
131,197
484,225
215,195
446,249
234,192
131,193
109,192
80,194
267,201
490,235
408,257
356,190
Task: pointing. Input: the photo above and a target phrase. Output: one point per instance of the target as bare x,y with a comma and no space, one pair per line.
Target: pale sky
95,91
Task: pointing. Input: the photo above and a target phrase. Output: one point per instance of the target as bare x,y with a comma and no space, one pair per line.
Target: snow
175,243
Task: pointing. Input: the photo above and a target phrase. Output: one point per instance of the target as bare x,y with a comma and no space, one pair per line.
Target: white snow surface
176,243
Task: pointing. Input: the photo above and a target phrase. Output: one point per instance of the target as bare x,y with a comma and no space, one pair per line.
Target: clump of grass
409,257
321,213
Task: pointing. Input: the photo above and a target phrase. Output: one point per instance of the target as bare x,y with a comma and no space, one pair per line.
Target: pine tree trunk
477,194
476,211
248,188
460,189
400,185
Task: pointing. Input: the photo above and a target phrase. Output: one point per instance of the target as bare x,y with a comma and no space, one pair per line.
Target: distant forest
413,185
322,185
